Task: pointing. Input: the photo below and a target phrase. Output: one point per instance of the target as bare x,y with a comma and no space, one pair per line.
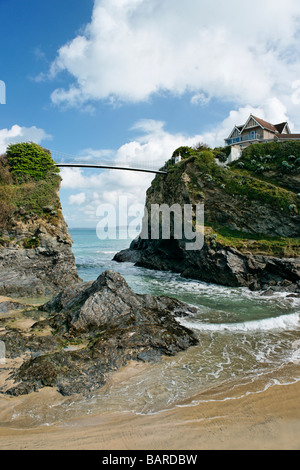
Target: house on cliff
254,131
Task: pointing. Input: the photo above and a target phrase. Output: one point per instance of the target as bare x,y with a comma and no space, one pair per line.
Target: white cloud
200,99
152,143
73,178
132,49
21,134
77,199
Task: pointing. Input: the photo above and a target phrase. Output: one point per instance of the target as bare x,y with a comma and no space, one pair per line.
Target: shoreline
264,420
263,414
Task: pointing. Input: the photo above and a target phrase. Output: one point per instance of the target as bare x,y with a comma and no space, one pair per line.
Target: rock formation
252,221
110,326
219,264
42,270
36,256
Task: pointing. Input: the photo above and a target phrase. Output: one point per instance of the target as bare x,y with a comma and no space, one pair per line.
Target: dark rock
48,209
43,270
110,302
36,272
8,306
220,265
131,256
18,344
117,325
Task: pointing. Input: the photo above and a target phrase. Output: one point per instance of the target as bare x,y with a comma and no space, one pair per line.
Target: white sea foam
295,357
283,322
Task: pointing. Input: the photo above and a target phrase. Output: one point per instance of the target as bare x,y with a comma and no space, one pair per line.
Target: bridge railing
61,158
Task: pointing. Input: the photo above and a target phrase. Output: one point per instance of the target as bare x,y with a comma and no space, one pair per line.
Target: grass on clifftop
243,178
255,244
279,157
29,184
234,181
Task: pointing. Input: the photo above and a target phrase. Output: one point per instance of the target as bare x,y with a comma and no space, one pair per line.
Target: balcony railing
242,138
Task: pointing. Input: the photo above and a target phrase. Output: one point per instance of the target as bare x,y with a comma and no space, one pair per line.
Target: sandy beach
268,420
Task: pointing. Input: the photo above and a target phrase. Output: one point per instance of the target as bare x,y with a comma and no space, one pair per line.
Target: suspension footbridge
63,160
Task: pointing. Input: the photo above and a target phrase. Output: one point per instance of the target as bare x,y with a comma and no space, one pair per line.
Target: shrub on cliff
29,160
278,155
6,213
222,157
184,152
28,180
5,174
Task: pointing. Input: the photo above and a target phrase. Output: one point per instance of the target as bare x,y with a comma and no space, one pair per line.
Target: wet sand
256,421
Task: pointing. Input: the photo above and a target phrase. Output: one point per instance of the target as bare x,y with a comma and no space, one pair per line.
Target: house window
253,135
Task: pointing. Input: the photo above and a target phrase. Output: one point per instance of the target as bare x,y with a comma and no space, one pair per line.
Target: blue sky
135,79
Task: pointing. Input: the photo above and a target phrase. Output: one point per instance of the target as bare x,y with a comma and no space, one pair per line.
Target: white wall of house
235,154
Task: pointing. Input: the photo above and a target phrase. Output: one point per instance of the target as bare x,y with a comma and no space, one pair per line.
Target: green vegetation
271,156
29,185
240,178
30,243
256,244
266,173
276,162
235,182
29,160
185,152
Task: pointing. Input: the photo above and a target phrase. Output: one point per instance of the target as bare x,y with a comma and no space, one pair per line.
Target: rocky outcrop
36,258
218,265
109,324
243,215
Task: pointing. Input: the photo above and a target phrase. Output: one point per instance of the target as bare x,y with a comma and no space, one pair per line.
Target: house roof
234,129
280,127
288,136
265,124
277,129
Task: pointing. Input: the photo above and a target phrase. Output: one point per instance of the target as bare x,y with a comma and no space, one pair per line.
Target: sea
248,342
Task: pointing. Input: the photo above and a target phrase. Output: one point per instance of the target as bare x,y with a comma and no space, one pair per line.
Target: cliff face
252,221
35,246
36,270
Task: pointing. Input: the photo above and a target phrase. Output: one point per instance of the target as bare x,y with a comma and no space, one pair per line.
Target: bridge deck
110,167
